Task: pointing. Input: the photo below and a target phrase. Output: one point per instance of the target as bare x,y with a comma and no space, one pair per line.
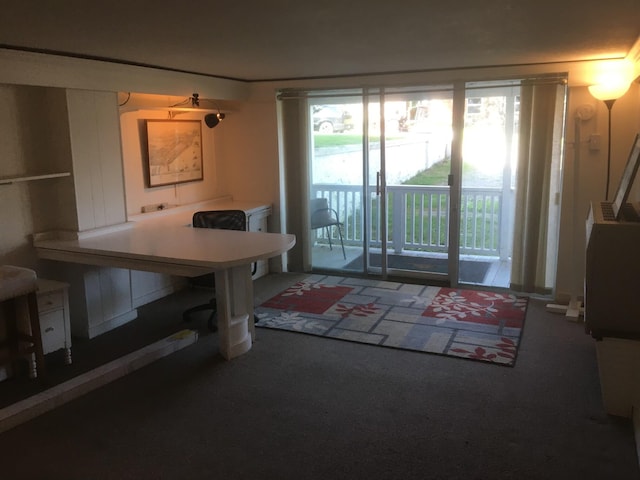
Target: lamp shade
609,91
611,80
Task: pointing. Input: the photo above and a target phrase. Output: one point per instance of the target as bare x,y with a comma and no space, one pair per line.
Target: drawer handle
49,329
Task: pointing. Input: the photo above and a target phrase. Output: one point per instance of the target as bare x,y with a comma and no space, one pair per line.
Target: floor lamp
609,92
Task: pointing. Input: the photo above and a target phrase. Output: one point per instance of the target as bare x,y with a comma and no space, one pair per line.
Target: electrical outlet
594,142
154,207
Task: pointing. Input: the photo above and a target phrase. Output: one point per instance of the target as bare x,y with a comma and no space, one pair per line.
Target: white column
234,298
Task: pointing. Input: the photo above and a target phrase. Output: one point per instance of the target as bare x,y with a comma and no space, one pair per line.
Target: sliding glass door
431,181
412,163
384,177
336,182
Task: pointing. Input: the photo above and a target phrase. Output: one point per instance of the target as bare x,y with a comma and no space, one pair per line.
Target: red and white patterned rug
474,324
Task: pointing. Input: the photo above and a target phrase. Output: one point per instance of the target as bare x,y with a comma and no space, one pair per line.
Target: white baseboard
95,330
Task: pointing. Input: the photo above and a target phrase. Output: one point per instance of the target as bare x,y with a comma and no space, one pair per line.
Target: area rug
471,271
472,324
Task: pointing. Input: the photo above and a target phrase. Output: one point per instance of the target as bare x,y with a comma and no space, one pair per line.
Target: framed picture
174,151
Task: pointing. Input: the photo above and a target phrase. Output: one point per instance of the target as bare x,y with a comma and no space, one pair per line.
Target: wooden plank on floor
573,311
58,395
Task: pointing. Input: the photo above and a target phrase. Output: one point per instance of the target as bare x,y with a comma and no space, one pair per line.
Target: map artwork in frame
174,151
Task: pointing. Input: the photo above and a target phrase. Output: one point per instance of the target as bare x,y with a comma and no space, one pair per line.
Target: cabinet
104,298
87,143
53,309
257,222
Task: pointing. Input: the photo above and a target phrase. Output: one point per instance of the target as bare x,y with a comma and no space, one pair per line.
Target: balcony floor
498,275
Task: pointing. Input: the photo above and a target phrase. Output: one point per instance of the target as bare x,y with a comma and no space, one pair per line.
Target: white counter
166,244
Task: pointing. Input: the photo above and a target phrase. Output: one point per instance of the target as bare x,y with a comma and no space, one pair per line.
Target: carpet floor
476,325
301,407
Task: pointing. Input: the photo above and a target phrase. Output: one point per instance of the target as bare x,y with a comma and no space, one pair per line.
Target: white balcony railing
418,218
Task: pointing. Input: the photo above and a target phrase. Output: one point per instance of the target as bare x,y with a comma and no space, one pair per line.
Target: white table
185,251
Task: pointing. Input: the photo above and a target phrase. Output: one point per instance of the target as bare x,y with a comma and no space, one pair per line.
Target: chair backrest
220,219
321,214
318,204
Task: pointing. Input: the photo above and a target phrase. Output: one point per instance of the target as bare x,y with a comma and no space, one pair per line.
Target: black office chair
224,220
324,217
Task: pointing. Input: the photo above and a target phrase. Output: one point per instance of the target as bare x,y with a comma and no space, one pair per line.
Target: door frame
455,180
379,95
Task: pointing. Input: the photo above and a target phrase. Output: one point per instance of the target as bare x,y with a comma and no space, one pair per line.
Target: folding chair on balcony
324,217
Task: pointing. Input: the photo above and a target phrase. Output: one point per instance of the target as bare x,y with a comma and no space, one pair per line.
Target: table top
178,250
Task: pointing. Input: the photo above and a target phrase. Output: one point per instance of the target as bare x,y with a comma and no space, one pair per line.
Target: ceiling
258,40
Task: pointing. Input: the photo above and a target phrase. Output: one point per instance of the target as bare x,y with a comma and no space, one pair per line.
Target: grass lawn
341,139
438,174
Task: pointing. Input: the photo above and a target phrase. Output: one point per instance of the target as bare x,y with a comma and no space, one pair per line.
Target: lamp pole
613,84
609,103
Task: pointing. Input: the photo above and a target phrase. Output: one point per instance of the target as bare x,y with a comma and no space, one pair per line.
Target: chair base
341,240
211,321
211,324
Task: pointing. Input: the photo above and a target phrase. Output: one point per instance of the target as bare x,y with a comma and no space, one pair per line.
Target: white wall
590,177
215,181
250,151
586,183
35,137
28,68
34,140
245,145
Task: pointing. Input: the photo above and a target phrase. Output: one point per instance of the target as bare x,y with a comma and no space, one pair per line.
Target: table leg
234,299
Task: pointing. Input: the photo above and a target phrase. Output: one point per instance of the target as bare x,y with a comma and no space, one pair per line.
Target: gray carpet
301,407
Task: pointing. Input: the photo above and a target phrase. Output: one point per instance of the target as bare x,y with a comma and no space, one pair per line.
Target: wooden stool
20,283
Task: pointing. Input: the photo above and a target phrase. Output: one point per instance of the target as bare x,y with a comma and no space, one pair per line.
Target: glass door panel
417,147
376,235
385,178
336,185
488,184
394,166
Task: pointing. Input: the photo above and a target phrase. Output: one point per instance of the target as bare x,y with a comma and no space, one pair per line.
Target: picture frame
174,152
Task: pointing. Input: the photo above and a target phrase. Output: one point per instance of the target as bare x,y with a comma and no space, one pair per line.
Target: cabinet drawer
50,301
257,223
52,331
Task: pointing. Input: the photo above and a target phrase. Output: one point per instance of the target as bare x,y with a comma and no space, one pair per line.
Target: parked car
331,119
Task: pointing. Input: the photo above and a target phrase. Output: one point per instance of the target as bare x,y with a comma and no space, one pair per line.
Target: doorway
386,181
421,180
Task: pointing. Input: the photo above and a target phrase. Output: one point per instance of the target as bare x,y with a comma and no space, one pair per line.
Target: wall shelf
9,181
